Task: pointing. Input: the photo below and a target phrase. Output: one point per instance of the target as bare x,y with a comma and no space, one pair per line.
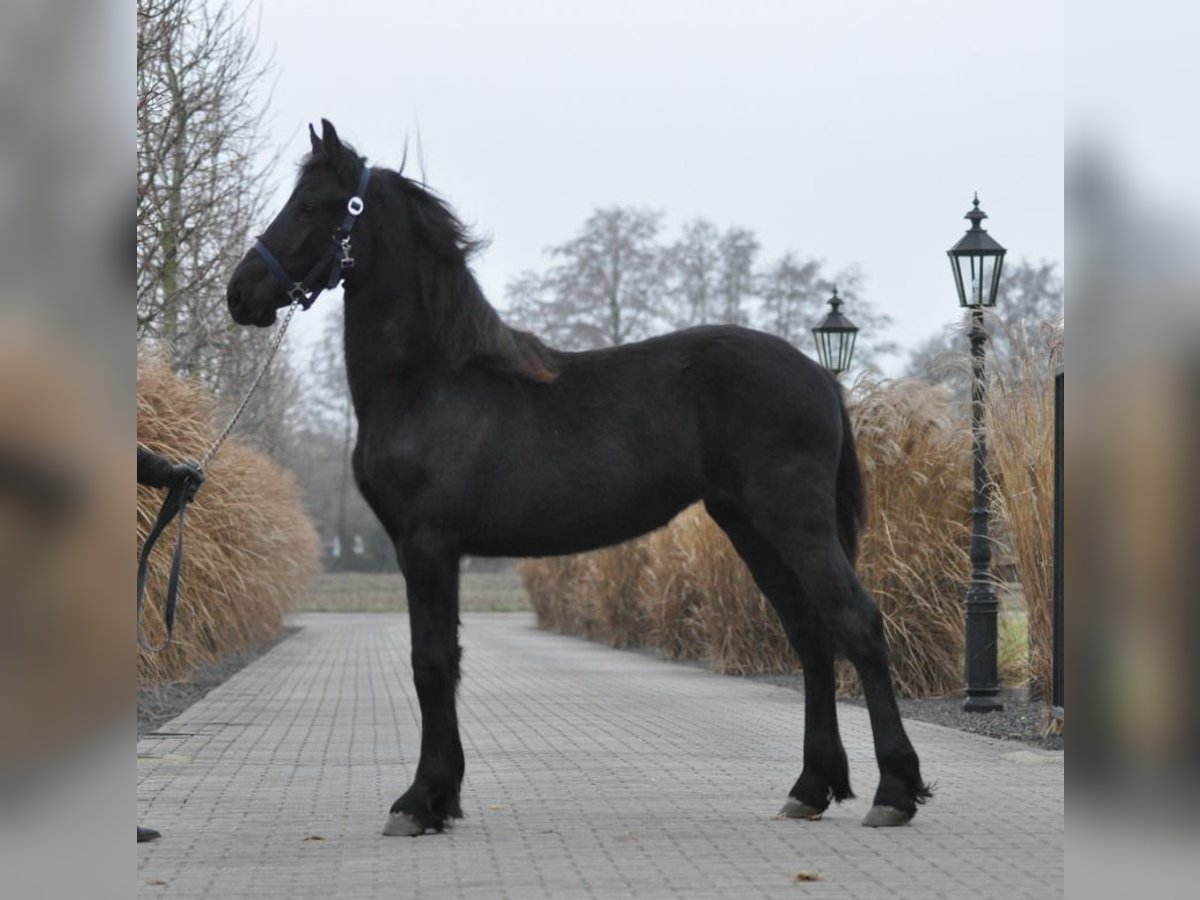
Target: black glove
188,475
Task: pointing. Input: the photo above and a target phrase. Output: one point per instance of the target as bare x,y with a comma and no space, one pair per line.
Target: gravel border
159,703
1020,720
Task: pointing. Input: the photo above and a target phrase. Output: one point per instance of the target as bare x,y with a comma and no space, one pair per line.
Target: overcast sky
851,131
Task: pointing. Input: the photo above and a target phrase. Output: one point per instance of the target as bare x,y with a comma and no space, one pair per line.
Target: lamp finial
976,215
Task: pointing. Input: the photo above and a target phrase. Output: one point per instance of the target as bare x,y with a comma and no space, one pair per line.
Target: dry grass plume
250,548
915,456
1020,413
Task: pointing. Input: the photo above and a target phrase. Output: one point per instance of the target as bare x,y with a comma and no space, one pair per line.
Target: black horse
475,438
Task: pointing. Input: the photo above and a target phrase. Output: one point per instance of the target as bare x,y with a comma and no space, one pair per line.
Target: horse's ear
312,136
330,142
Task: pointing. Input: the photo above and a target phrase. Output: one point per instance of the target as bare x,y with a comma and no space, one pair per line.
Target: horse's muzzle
242,313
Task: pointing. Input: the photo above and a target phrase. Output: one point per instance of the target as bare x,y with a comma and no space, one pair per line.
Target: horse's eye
308,208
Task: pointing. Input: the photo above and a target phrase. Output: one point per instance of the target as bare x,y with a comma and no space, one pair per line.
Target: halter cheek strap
336,259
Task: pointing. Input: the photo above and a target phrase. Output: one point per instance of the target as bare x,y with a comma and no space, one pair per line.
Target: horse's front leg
429,560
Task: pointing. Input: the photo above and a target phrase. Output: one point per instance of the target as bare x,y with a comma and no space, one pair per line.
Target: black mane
466,327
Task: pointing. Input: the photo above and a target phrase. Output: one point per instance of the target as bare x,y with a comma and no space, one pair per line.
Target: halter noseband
337,259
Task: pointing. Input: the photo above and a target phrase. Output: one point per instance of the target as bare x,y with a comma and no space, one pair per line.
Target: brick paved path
590,773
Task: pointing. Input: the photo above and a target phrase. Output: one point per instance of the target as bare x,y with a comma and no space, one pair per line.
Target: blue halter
337,259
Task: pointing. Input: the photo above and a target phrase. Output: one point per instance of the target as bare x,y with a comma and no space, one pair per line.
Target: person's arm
153,470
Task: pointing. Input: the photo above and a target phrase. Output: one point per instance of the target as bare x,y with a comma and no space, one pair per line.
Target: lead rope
262,371
179,497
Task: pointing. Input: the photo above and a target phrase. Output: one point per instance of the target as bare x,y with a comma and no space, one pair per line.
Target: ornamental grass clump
1020,413
250,549
913,558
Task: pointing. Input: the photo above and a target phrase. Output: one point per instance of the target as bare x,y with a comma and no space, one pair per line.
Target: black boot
147,834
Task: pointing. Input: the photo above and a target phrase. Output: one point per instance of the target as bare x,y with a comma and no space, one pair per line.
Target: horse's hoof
402,824
887,817
798,809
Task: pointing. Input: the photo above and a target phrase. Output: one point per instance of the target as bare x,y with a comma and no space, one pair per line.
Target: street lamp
976,261
835,336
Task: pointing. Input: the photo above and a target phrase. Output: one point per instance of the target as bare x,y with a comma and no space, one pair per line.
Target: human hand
189,475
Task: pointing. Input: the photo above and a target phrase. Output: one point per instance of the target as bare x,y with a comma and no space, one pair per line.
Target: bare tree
693,265
615,282
201,180
738,250
792,293
606,287
711,276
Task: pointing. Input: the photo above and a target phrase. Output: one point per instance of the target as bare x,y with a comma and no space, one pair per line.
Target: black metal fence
1058,674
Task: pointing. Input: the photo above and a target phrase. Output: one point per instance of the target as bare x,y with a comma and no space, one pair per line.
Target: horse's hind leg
858,626
430,565
809,545
826,774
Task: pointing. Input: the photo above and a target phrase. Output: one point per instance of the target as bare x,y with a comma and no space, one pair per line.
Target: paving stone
591,772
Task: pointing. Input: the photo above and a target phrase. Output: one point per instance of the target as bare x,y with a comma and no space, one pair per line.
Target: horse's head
301,243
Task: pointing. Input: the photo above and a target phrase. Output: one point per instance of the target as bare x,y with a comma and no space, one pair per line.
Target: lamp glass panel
976,276
956,266
847,353
822,347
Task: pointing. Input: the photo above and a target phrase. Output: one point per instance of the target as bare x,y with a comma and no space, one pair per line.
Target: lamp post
976,261
835,335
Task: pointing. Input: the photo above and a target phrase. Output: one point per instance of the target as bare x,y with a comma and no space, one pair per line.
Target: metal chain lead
266,363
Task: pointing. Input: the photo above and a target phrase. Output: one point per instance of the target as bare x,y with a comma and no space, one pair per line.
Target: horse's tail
851,491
